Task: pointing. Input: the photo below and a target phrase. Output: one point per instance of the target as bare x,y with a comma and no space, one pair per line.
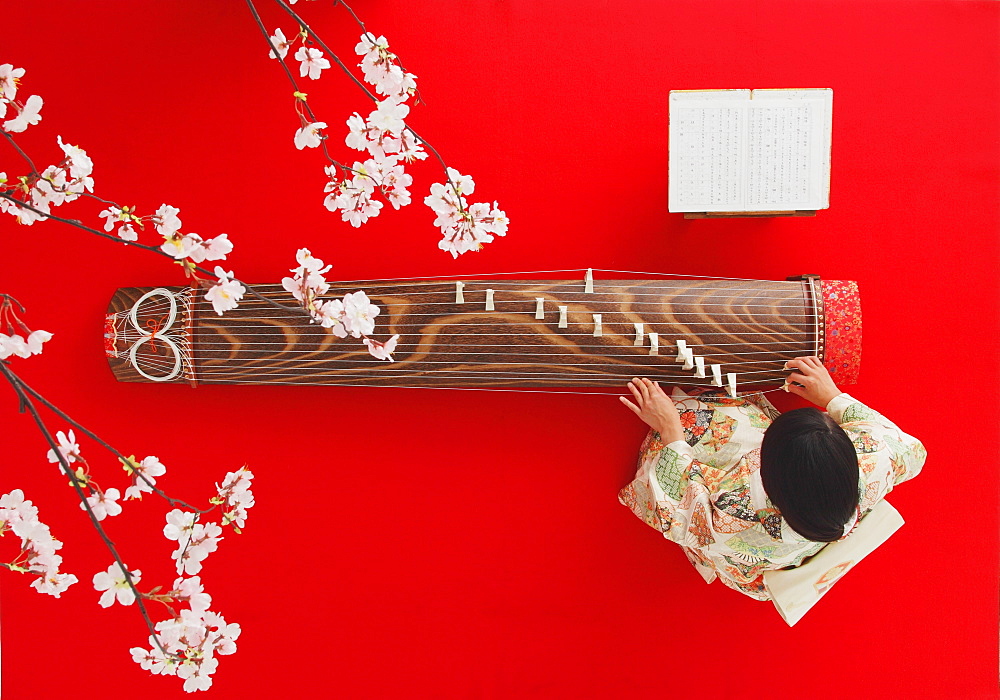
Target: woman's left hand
655,408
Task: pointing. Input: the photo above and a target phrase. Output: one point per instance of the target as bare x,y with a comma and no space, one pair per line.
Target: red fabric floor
415,543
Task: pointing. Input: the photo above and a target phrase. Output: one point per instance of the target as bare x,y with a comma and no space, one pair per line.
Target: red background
417,543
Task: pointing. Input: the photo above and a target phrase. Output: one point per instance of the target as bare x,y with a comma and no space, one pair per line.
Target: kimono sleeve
877,439
677,484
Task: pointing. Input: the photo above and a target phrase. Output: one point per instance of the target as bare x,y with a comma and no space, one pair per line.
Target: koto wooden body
748,328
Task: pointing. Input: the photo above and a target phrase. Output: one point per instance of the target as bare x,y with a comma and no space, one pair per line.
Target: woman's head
810,472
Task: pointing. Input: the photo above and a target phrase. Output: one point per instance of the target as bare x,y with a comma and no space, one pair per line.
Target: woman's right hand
655,408
811,380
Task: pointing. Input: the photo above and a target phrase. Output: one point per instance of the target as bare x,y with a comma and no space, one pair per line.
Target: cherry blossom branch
302,23
153,249
299,95
26,403
79,224
276,54
319,40
102,200
93,436
418,98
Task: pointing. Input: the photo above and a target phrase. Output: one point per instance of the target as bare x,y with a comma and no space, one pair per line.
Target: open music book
750,150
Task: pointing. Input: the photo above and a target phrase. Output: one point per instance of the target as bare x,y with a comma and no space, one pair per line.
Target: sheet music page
737,150
788,164
707,142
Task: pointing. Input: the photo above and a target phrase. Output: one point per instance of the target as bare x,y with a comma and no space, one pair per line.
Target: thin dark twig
100,199
26,402
353,14
34,170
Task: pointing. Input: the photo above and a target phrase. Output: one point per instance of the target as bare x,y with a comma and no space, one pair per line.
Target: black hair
810,472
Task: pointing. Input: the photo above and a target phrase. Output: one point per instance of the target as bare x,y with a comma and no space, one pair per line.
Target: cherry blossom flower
54,583
409,148
104,503
192,639
394,182
115,585
80,164
380,69
187,629
308,136
51,188
191,591
179,525
311,63
236,495
382,351
225,634
67,447
9,77
13,345
180,246
193,246
38,546
354,197
166,221
154,660
212,249
308,262
14,507
331,315
24,216
127,233
359,314
308,281
227,293
150,468
358,130
36,339
464,227
198,678
29,114
281,44
218,248
112,215
389,116
203,541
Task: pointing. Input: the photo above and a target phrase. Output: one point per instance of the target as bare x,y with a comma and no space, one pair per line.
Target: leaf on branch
300,95
190,269
81,477
129,464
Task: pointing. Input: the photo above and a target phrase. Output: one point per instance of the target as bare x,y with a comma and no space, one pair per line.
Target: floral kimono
705,492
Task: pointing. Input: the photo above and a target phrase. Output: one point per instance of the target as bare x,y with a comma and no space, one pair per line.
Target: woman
744,489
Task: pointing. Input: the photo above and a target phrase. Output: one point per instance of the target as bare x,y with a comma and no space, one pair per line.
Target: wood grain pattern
750,328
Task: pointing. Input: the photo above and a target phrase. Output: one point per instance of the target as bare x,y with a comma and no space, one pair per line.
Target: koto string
548,272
